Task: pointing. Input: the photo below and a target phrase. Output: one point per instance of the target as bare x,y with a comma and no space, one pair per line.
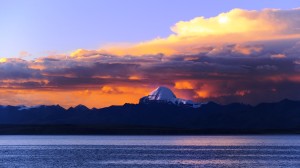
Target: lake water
150,151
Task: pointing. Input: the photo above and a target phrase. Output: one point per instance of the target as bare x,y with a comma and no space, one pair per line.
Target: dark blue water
150,151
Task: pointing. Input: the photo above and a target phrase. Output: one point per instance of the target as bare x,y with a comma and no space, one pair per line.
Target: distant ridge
153,118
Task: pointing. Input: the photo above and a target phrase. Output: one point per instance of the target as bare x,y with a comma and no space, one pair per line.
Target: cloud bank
244,56
235,26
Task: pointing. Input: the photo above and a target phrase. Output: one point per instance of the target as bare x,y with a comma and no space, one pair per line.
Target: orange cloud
135,78
202,94
183,85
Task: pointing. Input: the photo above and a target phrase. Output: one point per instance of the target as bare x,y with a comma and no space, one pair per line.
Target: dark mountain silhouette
153,118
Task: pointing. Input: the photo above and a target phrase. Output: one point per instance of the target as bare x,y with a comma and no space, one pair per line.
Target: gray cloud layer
222,73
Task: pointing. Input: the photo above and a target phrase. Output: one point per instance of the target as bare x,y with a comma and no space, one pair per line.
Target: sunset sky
101,53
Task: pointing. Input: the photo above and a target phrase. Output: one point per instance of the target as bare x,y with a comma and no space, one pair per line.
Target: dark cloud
234,72
17,69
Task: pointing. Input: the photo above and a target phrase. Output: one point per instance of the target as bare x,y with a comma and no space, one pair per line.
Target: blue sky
61,26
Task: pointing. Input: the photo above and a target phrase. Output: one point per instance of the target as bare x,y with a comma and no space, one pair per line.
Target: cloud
23,54
235,50
244,56
15,68
235,26
278,56
83,53
202,77
183,85
2,60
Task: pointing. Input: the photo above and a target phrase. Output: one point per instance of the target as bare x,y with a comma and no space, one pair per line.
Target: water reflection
271,140
149,151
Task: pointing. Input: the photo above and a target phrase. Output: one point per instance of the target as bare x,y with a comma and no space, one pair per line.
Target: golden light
223,19
134,78
2,60
183,85
202,94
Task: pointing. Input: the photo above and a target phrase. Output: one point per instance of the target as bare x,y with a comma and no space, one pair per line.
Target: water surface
150,151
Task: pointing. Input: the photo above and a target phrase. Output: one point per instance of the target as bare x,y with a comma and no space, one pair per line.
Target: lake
150,151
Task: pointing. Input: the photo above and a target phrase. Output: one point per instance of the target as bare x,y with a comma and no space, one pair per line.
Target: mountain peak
81,107
165,95
161,93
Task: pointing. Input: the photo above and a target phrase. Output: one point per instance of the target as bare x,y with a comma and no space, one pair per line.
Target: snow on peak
161,93
165,95
22,107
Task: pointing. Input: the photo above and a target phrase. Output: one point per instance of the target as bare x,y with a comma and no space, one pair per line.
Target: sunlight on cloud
183,85
236,21
235,26
2,60
223,19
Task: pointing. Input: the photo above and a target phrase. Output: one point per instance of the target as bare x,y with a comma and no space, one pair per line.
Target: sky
41,28
101,53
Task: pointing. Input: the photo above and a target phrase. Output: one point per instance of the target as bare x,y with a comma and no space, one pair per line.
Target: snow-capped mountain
165,95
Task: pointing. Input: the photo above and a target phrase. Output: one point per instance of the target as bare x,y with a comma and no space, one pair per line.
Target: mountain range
158,113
